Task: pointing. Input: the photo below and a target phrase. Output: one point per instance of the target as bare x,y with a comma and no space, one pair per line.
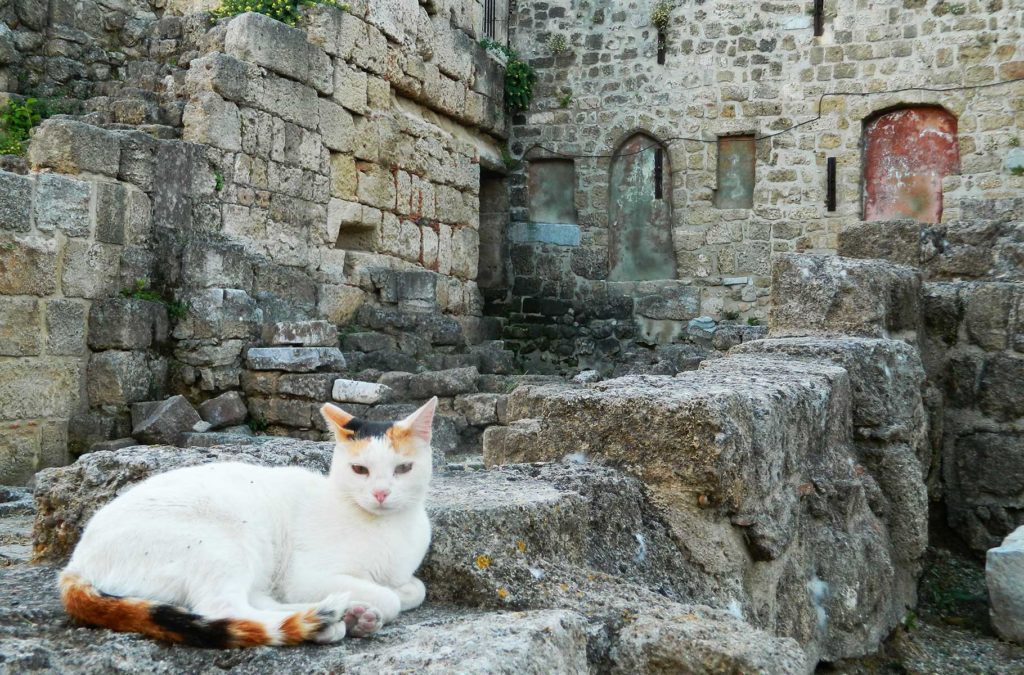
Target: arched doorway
640,212
907,153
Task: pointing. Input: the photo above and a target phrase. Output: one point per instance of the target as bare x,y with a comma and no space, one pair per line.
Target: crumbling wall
736,68
317,168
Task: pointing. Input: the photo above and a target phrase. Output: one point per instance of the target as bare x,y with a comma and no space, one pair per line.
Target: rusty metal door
640,212
907,153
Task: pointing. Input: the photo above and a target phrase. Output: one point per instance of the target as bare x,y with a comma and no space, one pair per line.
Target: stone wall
972,341
306,173
735,67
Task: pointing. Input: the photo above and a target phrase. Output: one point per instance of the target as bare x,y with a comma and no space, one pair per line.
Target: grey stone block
288,412
1004,575
118,378
65,327
90,269
277,47
28,266
301,333
225,410
116,444
20,327
313,386
479,409
15,202
218,313
295,359
421,386
167,422
673,302
36,387
124,323
353,391
67,146
111,212
62,203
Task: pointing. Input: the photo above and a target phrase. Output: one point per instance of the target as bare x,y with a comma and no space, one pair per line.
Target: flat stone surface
295,359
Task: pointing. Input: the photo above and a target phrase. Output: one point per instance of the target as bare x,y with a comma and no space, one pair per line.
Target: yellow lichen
483,561
521,545
502,593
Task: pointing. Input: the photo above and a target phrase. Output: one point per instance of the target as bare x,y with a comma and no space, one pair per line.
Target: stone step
576,550
295,359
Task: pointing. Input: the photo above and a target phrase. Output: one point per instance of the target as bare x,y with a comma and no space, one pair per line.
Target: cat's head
383,467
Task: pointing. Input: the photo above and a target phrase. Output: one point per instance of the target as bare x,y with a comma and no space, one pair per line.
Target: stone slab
295,359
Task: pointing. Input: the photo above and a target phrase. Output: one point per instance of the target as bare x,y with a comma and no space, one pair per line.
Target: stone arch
908,150
640,211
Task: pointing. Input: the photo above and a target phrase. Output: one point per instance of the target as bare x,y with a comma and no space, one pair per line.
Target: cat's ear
420,423
337,419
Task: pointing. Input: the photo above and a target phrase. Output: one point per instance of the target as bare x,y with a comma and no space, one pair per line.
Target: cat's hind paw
330,613
362,621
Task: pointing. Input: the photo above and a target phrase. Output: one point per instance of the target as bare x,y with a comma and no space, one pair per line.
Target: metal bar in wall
830,187
819,17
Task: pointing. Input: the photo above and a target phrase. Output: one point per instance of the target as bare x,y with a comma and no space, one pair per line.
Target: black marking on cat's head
361,428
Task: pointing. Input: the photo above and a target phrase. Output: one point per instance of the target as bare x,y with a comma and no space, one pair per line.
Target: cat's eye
403,468
360,469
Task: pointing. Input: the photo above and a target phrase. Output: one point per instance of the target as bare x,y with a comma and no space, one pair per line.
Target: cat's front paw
361,620
411,593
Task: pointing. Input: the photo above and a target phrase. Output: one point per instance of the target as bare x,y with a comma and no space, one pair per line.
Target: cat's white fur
239,541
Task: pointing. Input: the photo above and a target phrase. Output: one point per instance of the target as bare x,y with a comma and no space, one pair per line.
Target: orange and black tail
176,624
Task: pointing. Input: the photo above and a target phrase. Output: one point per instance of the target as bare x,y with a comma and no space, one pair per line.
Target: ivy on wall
519,76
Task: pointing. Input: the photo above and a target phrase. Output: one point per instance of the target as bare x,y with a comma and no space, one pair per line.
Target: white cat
238,555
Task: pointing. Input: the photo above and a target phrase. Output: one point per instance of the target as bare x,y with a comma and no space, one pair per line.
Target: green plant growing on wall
218,181
1017,171
140,290
661,14
507,159
565,98
558,44
519,76
285,11
753,321
1014,142
16,121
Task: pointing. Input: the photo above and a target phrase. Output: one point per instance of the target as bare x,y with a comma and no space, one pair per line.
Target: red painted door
907,153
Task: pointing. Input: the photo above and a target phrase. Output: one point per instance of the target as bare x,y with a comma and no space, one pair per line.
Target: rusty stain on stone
907,153
641,223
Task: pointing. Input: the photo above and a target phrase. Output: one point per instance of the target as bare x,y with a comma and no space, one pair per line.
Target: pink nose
381,495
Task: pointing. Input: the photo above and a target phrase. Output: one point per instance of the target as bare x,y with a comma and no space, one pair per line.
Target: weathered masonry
914,104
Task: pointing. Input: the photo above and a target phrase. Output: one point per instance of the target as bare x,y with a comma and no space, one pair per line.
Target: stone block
1000,393
124,323
65,327
167,422
210,265
442,383
1004,575
62,203
209,353
118,378
352,391
898,241
672,301
225,410
221,313
28,266
210,120
987,311
15,202
273,45
350,86
20,327
821,295
333,30
67,146
479,409
336,126
35,388
294,413
301,333
339,303
312,386
90,269
295,359
19,450
111,212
